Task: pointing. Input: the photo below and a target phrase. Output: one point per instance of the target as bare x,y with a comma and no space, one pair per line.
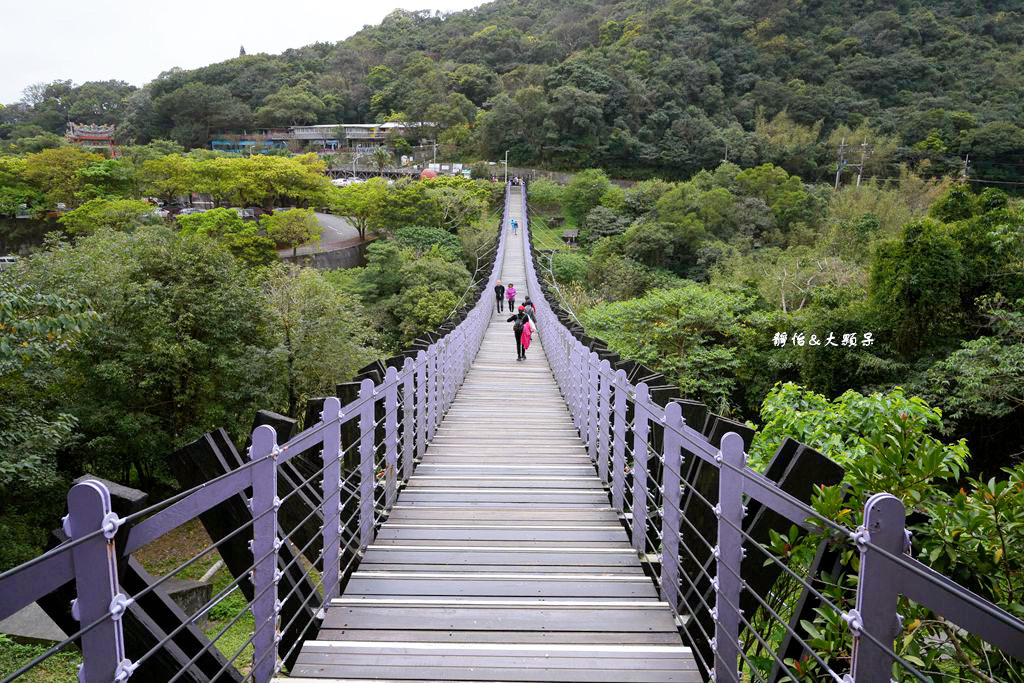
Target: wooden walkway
502,559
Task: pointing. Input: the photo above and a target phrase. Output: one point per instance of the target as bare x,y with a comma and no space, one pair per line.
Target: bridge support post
332,498
265,544
670,498
408,418
95,564
367,473
729,553
390,436
877,592
604,374
641,413
619,443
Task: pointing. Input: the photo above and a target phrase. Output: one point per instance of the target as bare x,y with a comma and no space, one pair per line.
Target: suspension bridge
463,516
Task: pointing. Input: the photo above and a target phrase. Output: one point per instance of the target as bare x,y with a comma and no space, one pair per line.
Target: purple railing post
604,373
591,360
331,417
421,403
265,544
641,412
431,390
877,589
408,418
670,503
367,471
729,556
99,595
619,443
390,436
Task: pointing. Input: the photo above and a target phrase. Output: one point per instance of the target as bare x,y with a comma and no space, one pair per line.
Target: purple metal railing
886,569
90,558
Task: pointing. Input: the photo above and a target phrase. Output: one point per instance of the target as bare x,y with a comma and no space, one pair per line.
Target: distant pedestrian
515,226
499,294
520,324
510,294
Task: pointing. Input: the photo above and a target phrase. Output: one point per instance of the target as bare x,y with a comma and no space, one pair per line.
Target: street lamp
506,167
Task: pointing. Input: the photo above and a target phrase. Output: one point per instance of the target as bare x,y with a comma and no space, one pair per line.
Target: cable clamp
718,457
118,604
714,613
277,544
124,670
718,511
65,524
716,552
854,621
110,524
277,503
75,613
861,537
907,534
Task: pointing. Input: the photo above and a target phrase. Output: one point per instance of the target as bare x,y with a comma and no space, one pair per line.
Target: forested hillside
638,86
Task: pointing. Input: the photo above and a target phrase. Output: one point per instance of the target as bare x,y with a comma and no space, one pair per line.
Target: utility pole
865,151
965,173
506,167
842,161
435,151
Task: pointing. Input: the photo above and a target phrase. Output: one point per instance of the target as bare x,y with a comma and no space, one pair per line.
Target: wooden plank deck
502,559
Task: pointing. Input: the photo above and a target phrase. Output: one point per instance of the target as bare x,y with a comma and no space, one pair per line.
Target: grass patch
58,668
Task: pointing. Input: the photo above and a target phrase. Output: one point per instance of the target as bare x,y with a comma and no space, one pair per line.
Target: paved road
335,232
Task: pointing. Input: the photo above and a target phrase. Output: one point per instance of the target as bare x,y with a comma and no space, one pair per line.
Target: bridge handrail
98,539
600,400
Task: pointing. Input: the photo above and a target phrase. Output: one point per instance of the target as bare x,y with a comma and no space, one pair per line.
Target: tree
324,332
110,177
689,332
292,227
382,158
55,172
38,329
242,238
184,347
196,109
359,203
169,177
107,213
915,286
584,192
289,106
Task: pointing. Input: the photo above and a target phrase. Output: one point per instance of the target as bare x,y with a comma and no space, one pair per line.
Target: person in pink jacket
510,294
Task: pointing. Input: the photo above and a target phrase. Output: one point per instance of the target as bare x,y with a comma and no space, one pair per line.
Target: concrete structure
321,137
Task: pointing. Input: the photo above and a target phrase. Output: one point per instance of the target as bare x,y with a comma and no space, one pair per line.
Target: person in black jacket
520,319
499,293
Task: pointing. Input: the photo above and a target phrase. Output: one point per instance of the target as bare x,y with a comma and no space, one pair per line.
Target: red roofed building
97,138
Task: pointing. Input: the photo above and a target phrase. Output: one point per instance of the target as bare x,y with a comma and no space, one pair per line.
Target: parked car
191,210
8,261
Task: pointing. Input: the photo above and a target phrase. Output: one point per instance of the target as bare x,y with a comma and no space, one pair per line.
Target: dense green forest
639,87
882,325
127,334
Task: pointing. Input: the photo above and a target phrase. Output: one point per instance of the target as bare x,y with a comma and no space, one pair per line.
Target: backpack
519,323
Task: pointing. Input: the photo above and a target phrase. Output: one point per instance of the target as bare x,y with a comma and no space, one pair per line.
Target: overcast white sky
134,40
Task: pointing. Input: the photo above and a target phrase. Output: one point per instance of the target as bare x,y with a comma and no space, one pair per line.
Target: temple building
95,137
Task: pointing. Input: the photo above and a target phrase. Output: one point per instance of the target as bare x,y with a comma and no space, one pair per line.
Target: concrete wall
349,257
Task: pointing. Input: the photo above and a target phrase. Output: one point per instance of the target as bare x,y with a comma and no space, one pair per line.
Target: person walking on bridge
510,294
499,294
515,226
521,330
